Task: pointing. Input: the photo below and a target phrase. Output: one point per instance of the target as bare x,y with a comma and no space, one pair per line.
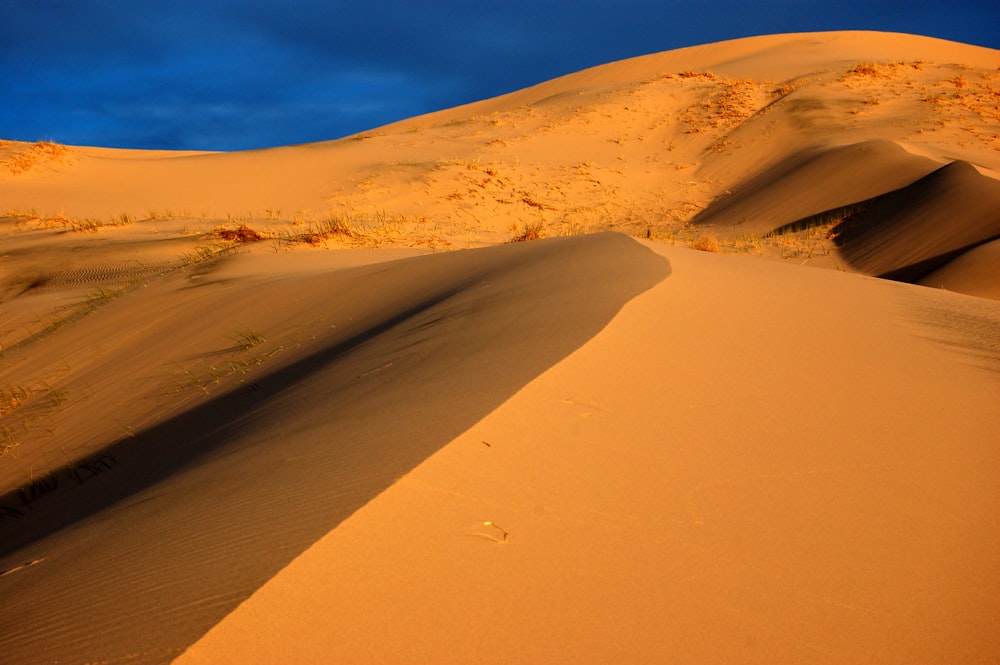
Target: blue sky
231,75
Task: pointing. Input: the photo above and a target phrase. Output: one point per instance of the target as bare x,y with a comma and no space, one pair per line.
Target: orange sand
251,411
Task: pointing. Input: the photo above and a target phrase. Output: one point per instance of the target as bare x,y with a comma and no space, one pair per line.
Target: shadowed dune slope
752,463
198,510
813,181
908,233
974,272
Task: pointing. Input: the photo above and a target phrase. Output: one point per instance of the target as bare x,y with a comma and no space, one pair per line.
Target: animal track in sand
117,272
496,532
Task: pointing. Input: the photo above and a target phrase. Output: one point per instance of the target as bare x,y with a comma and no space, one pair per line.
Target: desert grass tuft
707,243
247,339
241,234
13,397
204,253
335,226
689,74
533,231
32,155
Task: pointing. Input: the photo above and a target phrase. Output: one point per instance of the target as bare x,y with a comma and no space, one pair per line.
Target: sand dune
900,235
675,491
791,190
251,412
363,373
732,139
974,272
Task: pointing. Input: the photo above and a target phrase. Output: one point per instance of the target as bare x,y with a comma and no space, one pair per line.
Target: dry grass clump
238,362
784,89
970,98
707,243
688,74
865,69
67,224
339,227
728,104
532,231
12,397
333,227
25,158
240,235
871,70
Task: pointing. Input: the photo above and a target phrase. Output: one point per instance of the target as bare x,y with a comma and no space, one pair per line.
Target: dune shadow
909,232
178,524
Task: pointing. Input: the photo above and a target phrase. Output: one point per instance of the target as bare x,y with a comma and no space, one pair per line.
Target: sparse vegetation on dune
632,156
13,397
240,235
724,102
526,232
341,228
707,243
32,220
19,158
14,400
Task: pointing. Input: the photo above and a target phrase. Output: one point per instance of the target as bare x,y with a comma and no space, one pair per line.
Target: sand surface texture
252,411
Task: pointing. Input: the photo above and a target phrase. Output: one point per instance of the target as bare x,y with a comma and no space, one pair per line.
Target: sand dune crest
251,411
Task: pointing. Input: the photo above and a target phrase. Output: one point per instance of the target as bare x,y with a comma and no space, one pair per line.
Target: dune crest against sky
730,139
252,411
232,75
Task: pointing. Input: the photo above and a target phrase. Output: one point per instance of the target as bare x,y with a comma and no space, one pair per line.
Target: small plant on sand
531,231
82,225
231,363
8,442
33,154
871,70
334,226
689,74
864,69
203,253
247,339
749,243
707,243
241,234
12,397
339,225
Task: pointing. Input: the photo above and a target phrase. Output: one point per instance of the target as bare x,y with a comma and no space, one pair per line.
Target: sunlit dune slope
747,465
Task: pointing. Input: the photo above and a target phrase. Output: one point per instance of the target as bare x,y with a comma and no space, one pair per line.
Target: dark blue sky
229,75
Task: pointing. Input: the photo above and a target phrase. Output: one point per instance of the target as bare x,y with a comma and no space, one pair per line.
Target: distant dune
251,409
734,140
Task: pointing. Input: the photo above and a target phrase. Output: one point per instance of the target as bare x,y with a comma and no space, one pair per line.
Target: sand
308,404
759,497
